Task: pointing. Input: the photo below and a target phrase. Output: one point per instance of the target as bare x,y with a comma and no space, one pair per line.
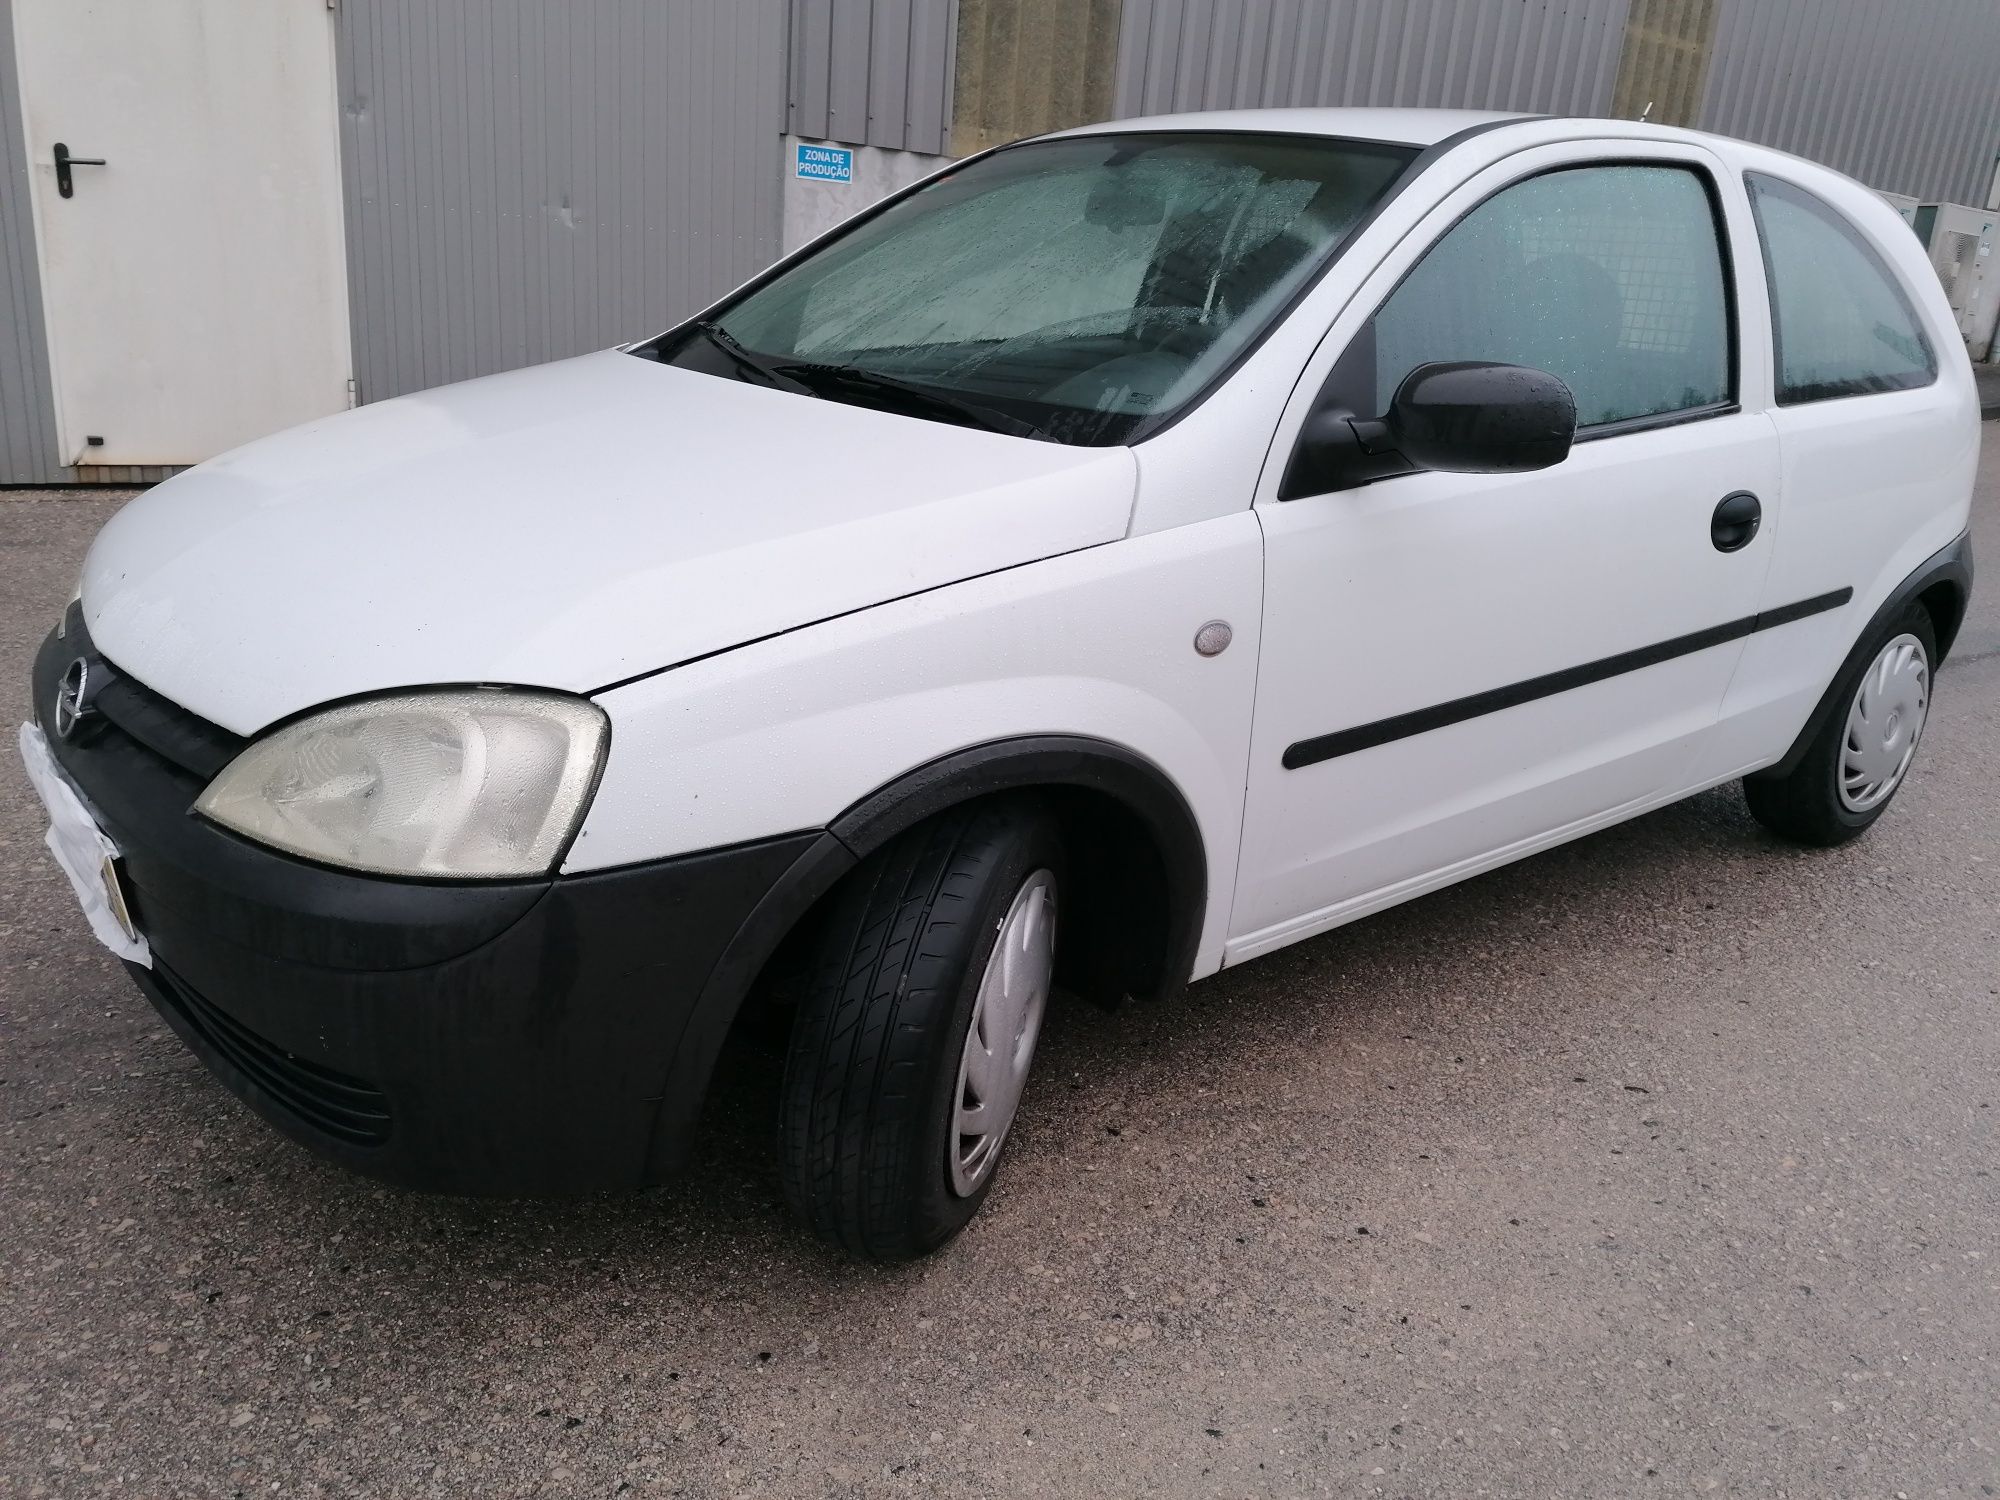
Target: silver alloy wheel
1884,723
1000,1042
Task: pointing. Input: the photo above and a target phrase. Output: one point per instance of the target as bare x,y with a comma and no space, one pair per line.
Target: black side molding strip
1784,614
1421,721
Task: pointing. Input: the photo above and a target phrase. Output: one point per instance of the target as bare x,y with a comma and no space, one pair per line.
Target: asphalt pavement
1660,1163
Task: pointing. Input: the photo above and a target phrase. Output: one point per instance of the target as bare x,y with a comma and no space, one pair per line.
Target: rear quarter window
1841,321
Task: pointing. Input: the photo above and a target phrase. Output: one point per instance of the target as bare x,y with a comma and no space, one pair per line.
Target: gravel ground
1661,1162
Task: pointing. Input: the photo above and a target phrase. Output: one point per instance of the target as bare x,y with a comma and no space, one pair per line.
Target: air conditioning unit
1960,241
1903,203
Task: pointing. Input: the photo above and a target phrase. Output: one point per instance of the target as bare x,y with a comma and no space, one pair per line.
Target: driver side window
1610,277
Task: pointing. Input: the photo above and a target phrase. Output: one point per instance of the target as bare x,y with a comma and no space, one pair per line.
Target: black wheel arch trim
1058,760
1051,760
1950,565
691,1061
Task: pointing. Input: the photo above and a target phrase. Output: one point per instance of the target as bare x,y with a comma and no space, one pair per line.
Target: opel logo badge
72,698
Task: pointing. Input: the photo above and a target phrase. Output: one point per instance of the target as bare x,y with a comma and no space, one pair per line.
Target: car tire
1861,756
922,1008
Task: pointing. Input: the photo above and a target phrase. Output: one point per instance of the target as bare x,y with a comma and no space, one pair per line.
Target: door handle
64,161
1736,520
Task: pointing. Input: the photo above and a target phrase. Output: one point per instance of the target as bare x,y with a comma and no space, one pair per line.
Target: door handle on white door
65,188
1735,521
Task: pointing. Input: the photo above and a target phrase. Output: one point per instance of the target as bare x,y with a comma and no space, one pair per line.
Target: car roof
1408,127
1440,127
1430,127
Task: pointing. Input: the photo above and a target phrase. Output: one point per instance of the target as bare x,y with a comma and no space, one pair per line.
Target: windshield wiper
810,377
867,382
748,359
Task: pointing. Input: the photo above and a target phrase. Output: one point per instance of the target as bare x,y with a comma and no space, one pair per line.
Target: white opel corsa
1123,554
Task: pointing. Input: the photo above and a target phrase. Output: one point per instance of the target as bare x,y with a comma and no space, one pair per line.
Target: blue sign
825,164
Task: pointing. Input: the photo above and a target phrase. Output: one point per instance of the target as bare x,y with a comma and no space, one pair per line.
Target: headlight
453,782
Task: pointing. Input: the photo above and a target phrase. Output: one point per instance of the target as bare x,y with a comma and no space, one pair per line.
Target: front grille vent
348,1109
180,738
168,730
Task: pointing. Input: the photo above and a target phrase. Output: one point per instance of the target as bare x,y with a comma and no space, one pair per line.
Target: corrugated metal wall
1554,56
27,404
871,72
1905,95
526,181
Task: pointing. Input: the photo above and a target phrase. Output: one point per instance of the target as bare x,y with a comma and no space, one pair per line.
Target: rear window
1841,321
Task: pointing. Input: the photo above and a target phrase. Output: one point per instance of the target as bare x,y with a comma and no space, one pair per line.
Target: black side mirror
1463,418
1472,418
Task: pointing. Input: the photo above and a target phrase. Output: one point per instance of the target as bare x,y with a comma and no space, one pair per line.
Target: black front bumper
541,1036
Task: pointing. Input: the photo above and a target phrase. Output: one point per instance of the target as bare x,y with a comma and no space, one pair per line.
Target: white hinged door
193,270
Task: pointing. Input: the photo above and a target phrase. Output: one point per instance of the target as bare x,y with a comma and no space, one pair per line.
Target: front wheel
1860,758
918,1027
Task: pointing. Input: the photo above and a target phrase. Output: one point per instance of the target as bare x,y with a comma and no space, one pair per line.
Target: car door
1458,668
1857,392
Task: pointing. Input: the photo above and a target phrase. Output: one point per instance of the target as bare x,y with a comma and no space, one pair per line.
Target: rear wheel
918,1027
1861,757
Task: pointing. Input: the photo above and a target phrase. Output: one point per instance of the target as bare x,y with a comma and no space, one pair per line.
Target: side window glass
1610,277
1841,321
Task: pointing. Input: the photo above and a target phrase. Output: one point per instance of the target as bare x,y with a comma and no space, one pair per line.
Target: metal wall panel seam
1796,113
1905,98
1310,21
1929,144
1849,82
28,453
1952,143
525,182
1188,54
870,72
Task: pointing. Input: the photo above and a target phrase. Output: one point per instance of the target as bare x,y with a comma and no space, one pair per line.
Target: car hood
566,526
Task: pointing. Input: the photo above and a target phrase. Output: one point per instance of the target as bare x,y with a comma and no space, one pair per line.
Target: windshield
1080,291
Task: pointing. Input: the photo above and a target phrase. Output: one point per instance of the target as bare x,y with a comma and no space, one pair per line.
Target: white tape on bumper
80,847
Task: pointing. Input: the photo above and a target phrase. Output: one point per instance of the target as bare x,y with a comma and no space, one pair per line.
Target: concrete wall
1663,68
812,207
1028,66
